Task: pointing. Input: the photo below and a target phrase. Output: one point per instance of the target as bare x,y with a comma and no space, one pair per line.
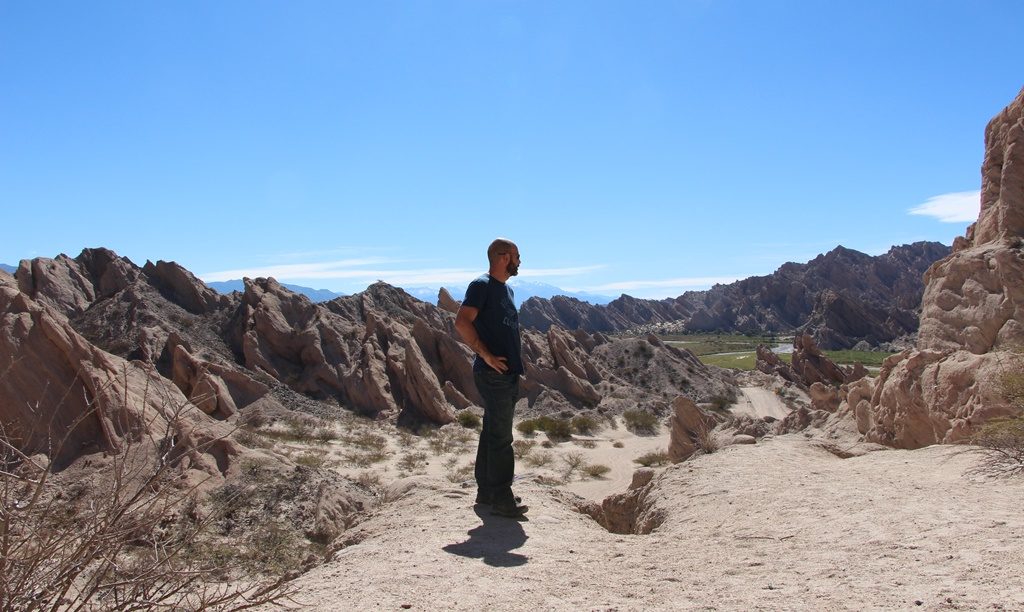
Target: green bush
584,425
469,420
527,427
640,422
558,430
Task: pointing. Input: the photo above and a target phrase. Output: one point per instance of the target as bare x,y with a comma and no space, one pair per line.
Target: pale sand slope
781,525
759,402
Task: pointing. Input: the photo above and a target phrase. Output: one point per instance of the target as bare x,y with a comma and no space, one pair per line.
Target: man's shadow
493,541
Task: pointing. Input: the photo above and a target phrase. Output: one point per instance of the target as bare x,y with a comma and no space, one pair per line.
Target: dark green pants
495,462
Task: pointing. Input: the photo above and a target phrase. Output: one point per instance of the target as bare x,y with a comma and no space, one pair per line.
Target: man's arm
464,325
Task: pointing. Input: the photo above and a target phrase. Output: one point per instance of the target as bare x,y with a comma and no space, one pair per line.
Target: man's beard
512,269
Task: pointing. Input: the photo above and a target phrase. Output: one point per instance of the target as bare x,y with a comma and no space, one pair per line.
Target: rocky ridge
841,298
972,318
380,353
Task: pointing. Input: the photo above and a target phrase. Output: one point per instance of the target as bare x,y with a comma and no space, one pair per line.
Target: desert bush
720,402
453,472
618,444
411,462
449,440
705,440
522,448
468,419
572,462
585,443
312,459
596,470
369,448
527,427
653,458
326,433
640,422
1003,439
125,541
558,430
369,480
539,459
252,439
584,424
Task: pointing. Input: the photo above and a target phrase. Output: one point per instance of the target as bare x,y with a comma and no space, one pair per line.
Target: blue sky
642,148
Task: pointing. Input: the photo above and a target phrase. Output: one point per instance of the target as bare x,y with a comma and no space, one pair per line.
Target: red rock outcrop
972,316
56,385
690,424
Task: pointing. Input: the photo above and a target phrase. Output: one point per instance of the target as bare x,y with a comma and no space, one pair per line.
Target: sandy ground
781,525
759,402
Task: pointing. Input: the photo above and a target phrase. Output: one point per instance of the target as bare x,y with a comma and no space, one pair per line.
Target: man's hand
500,364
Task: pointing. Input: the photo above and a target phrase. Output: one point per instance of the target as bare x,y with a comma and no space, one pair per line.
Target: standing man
489,324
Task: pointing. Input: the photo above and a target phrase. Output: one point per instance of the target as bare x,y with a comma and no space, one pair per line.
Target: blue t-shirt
497,322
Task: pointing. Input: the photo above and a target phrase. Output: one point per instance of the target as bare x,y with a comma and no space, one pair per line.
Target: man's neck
499,275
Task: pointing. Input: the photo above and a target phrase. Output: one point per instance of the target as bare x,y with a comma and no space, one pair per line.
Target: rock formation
691,428
809,365
841,298
381,353
972,317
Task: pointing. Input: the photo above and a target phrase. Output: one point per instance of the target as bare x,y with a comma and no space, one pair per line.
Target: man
489,324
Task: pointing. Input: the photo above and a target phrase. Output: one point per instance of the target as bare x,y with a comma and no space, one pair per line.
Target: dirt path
781,525
760,402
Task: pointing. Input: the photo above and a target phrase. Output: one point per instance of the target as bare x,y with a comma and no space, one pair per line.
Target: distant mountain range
7,268
523,291
314,295
842,297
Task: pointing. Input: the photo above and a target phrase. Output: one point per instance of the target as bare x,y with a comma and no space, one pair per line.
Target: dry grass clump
540,459
596,470
448,440
412,462
522,448
641,422
705,440
1003,439
652,459
365,447
453,472
571,462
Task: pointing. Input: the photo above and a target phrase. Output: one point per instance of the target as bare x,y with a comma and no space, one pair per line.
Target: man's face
513,263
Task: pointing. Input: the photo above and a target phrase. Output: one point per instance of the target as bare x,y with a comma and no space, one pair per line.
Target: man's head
503,257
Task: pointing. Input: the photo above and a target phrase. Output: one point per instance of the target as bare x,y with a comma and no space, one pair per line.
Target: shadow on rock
493,541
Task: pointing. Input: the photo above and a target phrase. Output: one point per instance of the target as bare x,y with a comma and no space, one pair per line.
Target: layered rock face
972,317
841,298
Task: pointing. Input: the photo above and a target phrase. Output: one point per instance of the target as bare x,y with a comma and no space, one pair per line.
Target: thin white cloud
329,269
354,270
955,207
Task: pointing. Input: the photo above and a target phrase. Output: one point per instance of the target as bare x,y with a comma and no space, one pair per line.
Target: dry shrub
539,459
653,458
522,448
572,462
596,470
1003,440
125,538
640,422
705,440
449,440
412,462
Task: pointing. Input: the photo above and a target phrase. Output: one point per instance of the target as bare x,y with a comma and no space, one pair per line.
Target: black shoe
514,510
483,499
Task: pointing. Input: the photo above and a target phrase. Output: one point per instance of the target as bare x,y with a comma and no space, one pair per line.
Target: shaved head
499,247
